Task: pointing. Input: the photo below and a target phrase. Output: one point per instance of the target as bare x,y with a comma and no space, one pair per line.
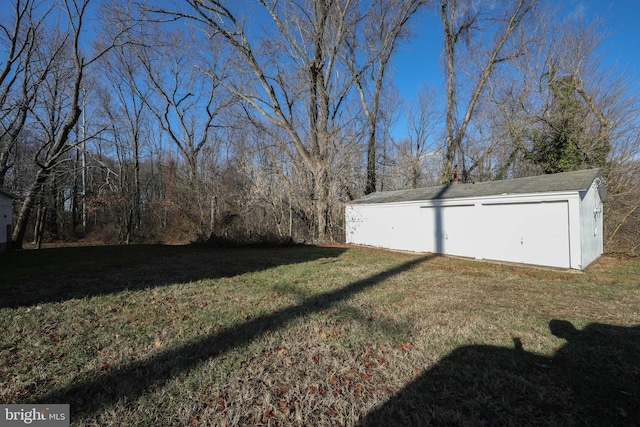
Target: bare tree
124,109
19,77
292,77
187,103
56,144
417,154
461,19
561,108
384,26
558,107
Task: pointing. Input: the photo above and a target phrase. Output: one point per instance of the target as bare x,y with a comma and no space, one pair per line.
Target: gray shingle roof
6,193
566,181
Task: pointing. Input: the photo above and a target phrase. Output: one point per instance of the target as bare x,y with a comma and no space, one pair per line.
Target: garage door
530,233
451,229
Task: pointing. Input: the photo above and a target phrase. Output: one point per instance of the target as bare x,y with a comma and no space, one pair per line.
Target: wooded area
256,121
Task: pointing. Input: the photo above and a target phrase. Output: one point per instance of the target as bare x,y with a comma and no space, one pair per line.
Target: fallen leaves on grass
328,366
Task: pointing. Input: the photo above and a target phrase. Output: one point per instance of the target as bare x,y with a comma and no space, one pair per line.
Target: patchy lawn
168,335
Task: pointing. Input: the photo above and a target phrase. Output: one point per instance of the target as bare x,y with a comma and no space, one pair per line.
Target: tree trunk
39,230
24,213
449,43
371,162
322,203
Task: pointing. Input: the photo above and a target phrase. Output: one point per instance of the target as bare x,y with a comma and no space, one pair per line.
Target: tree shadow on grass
594,379
59,274
129,382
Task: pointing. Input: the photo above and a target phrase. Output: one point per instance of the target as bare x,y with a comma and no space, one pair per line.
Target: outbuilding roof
559,182
6,193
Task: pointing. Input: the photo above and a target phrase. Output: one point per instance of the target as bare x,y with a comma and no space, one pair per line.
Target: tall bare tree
291,77
124,110
187,102
56,145
416,154
559,108
384,26
20,76
463,23
562,107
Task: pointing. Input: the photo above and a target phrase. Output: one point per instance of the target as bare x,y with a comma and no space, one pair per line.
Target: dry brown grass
156,335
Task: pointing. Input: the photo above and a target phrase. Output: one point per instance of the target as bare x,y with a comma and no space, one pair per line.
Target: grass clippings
190,335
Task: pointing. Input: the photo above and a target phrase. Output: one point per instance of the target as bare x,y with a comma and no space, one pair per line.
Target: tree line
256,121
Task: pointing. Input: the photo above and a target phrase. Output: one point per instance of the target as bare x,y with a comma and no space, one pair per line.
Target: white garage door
451,229
530,233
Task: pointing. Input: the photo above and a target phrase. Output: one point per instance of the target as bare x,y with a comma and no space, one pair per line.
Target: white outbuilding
5,219
550,220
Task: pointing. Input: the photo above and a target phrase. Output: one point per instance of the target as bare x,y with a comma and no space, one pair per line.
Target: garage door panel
530,233
459,229
451,229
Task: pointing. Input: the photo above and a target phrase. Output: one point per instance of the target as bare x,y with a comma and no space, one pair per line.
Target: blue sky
418,63
622,22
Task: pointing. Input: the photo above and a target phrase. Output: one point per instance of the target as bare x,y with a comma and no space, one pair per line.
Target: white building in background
5,219
550,220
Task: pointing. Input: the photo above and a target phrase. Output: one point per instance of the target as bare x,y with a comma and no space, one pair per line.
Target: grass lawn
189,335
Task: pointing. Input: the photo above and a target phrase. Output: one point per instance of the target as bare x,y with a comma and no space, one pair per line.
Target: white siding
451,229
551,229
591,226
529,233
392,226
5,218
